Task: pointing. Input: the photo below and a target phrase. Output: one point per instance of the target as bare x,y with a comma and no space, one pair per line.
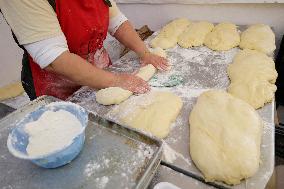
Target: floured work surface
112,157
201,69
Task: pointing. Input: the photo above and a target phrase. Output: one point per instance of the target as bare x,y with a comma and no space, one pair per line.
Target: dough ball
251,65
255,92
258,37
159,51
223,37
116,95
225,137
195,34
168,36
252,76
153,112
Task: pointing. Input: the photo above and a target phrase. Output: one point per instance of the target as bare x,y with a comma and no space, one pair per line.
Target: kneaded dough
223,37
11,91
256,92
225,137
195,34
168,36
258,37
159,51
153,112
116,95
252,76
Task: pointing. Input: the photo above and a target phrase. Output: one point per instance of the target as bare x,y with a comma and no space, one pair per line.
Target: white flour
51,132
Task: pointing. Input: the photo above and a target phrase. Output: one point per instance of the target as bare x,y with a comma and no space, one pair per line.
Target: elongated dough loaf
116,95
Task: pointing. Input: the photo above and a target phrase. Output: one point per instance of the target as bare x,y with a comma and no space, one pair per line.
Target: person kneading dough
63,43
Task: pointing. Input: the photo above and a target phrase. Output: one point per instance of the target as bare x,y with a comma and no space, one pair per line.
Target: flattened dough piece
116,95
252,76
153,112
168,36
225,137
195,34
258,37
223,37
11,91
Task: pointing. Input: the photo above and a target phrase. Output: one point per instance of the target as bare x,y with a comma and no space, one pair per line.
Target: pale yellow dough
116,95
153,112
258,37
223,37
168,36
195,34
252,76
159,51
11,91
225,137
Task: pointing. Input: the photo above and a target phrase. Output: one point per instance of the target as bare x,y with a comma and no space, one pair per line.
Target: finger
162,67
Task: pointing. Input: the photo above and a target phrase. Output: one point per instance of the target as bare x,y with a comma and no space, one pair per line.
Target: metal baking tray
113,156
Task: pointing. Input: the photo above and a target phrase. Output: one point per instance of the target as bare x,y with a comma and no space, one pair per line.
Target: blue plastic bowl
18,139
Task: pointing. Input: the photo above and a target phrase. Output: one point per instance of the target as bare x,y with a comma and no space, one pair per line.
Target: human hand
159,62
132,83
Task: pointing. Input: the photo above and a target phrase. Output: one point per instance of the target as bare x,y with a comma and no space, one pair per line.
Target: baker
63,42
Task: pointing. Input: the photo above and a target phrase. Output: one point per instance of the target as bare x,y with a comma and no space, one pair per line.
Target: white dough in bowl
225,137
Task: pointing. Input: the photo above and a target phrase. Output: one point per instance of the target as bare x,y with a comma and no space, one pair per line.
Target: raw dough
159,51
52,132
225,137
223,37
252,76
116,95
195,34
255,92
152,112
258,37
11,91
168,36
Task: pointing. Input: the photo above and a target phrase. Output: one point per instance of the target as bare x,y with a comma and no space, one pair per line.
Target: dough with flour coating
159,51
225,137
195,34
258,37
252,76
223,37
168,36
116,95
153,112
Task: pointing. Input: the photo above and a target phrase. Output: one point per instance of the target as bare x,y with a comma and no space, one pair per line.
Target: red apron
84,24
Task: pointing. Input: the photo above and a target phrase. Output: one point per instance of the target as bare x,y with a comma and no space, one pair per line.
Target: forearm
76,69
129,38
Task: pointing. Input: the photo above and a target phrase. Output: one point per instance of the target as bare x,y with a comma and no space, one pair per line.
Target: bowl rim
21,155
